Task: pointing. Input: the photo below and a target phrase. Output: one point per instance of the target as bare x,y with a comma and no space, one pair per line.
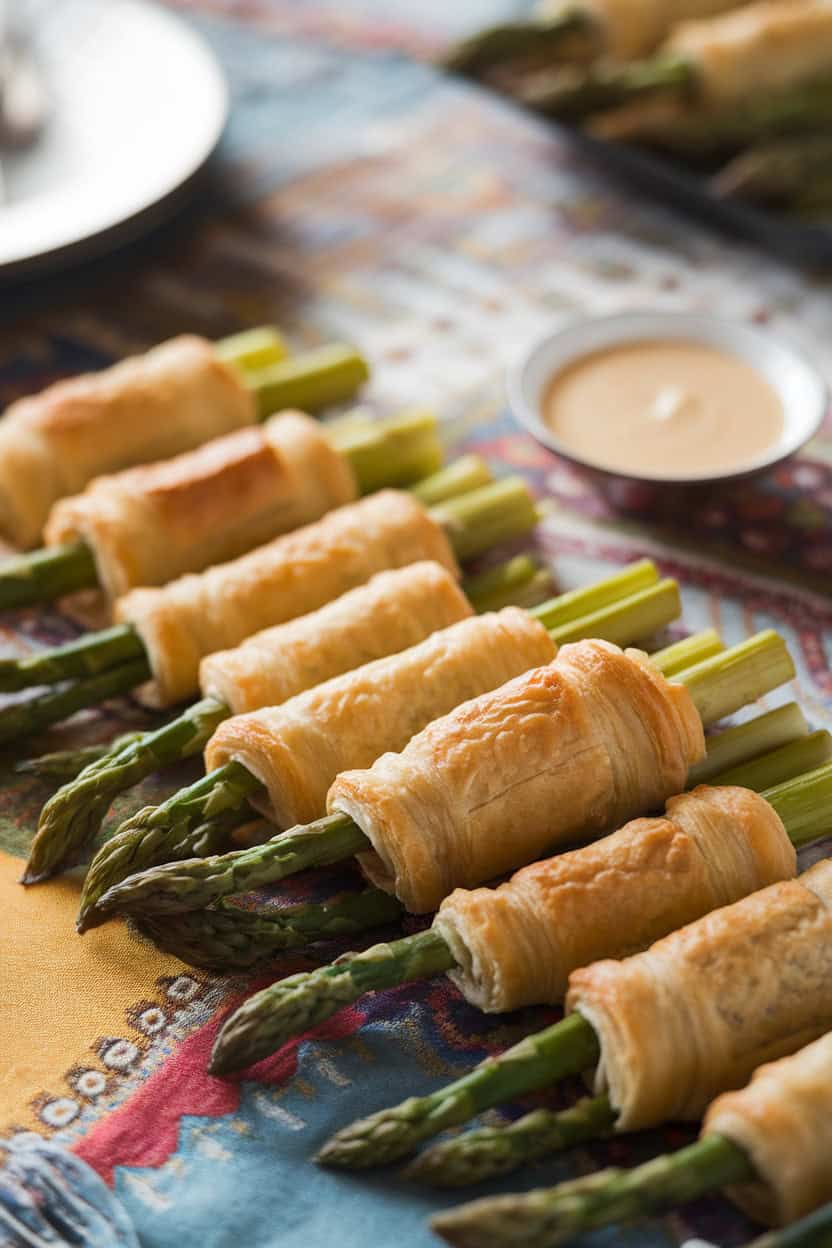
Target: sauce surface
658,409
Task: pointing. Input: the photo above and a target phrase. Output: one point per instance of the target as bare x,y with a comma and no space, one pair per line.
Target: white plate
137,104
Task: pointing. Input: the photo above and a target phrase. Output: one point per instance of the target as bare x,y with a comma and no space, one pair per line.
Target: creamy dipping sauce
664,409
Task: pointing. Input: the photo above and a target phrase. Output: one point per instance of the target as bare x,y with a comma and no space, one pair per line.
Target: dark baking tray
804,243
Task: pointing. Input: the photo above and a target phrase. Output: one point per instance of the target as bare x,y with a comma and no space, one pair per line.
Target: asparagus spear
671,124
491,1151
299,1002
232,939
191,885
392,1133
65,765
780,172
485,590
571,95
394,452
552,1216
814,1231
569,32
252,349
30,717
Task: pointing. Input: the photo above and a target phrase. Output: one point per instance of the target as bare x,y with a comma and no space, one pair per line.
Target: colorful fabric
360,195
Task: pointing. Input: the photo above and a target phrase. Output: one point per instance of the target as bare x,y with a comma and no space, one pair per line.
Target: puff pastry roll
298,749
393,611
169,400
517,944
147,525
629,29
573,747
697,1012
782,1121
182,622
766,47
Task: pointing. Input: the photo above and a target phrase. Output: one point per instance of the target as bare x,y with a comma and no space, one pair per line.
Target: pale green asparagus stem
729,747
483,518
86,656
552,1216
498,45
252,349
469,472
505,585
489,1152
312,381
687,652
566,1048
258,1028
815,1231
65,765
577,603
589,89
284,1009
26,718
398,452
724,684
73,815
232,939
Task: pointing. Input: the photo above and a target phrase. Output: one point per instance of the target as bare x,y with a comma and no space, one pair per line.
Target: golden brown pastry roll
573,747
169,400
391,612
299,748
517,944
765,47
634,28
782,1120
697,1012
182,622
147,525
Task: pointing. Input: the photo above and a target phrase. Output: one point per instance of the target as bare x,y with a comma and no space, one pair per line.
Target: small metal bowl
799,385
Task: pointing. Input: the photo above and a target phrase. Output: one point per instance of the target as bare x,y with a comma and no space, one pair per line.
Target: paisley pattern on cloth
360,196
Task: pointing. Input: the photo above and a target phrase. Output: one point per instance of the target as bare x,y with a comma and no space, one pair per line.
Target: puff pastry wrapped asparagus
384,696
149,407
165,632
459,762
147,525
712,68
582,30
517,944
768,1143
666,1030
392,611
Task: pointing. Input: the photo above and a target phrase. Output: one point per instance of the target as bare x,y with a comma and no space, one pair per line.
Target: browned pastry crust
299,748
149,407
149,524
629,29
570,748
517,944
782,1120
182,622
769,46
393,611
697,1012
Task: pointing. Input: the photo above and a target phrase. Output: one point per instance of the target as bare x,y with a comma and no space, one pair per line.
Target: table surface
359,195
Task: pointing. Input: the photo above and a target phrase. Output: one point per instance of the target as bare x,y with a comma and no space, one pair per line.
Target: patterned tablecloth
359,195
